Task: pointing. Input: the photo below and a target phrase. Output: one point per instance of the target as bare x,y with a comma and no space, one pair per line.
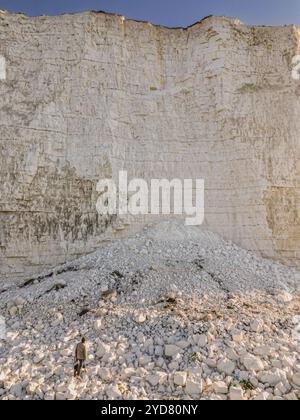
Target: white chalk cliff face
89,94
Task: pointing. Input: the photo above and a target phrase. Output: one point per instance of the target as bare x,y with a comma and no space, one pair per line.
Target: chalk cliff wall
89,94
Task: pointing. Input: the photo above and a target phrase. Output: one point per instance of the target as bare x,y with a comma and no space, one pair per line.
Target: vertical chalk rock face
89,94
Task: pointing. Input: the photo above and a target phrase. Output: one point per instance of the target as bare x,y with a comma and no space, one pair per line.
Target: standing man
80,357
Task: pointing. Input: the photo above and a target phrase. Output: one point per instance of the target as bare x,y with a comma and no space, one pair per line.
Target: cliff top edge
196,23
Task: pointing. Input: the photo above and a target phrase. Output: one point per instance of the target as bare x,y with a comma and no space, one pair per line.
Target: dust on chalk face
296,68
2,68
2,328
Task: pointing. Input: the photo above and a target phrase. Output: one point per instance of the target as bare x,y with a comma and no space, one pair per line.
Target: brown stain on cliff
283,218
66,205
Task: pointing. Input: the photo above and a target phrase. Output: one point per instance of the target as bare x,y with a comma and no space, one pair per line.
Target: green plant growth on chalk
196,358
249,88
247,385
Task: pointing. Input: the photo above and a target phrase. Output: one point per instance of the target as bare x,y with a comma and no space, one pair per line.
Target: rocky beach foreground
169,313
